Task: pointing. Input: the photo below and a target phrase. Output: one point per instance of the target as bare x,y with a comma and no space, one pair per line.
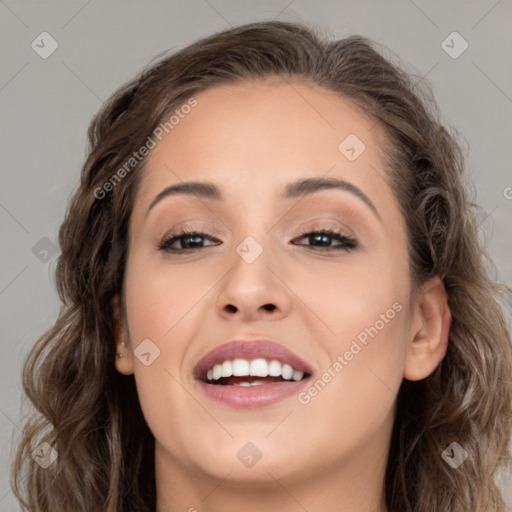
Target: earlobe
428,342
124,359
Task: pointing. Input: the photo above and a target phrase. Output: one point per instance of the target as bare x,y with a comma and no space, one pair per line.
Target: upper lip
249,349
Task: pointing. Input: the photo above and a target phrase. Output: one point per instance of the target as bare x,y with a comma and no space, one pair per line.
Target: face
321,271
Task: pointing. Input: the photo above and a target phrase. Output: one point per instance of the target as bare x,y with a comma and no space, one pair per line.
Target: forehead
259,135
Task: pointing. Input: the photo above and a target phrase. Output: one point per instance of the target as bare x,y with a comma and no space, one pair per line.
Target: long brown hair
90,414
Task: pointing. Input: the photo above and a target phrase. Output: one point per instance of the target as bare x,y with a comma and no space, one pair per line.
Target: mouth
247,374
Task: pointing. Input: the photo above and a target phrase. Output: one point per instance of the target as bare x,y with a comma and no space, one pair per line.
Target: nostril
269,307
231,308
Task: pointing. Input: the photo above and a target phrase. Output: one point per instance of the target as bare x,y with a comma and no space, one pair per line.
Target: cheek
158,298
160,306
369,348
352,293
363,356
355,394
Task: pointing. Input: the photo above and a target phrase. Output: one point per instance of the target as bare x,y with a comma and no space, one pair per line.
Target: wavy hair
90,413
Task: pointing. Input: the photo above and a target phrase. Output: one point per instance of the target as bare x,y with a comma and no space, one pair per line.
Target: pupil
196,240
323,239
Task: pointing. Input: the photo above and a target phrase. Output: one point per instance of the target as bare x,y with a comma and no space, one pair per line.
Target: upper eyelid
207,225
184,231
311,225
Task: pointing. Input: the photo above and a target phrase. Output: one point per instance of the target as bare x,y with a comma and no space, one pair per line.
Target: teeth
274,368
287,372
297,375
217,372
255,368
240,367
227,369
259,368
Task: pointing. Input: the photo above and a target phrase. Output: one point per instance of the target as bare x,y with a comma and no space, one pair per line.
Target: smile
235,372
245,374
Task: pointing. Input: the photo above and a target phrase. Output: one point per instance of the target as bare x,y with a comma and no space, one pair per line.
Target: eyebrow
312,185
293,190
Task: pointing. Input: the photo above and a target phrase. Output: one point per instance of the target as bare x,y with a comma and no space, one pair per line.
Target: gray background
47,105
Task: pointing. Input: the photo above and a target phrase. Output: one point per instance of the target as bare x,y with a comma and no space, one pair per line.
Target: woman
274,297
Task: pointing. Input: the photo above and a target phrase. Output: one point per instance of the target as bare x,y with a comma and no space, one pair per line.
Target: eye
186,241
322,239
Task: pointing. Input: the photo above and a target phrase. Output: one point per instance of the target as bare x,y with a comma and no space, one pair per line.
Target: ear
430,328
123,364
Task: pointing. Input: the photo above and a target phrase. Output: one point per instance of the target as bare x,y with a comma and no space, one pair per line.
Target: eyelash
347,243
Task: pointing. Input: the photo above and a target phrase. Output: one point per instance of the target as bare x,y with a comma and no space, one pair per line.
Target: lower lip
242,397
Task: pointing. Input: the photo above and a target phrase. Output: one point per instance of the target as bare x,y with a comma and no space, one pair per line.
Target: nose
254,290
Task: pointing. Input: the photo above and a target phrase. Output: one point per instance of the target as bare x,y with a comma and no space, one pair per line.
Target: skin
330,454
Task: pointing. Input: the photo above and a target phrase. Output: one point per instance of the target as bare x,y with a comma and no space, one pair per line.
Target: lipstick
250,374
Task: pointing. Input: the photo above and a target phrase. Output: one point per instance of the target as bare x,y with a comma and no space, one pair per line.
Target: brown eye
324,238
185,241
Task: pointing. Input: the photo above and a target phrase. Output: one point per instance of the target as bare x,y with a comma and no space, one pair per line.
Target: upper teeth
255,368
